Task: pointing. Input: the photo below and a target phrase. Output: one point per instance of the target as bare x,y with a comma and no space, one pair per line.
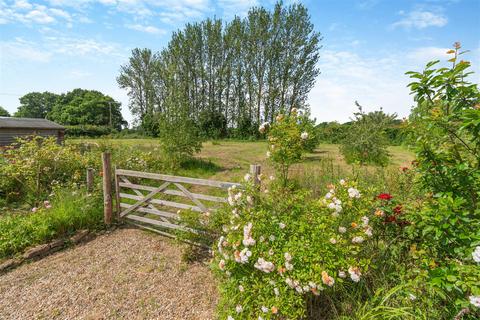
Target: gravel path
127,274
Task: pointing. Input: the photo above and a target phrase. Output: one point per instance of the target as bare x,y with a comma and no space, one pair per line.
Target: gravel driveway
127,274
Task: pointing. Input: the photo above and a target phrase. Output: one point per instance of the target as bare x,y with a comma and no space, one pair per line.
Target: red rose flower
385,196
398,209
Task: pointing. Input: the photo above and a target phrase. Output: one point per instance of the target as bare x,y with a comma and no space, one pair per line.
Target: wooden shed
11,128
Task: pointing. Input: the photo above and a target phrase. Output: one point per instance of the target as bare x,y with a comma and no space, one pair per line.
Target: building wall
8,135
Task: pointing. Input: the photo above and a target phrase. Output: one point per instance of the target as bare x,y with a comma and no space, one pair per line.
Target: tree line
226,78
78,107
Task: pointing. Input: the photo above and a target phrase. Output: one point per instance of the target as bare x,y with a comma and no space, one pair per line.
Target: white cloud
426,54
420,19
233,8
147,29
347,77
22,50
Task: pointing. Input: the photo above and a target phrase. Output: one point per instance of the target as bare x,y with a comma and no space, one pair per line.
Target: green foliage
284,247
87,107
227,75
365,141
289,138
87,131
34,165
64,212
179,140
446,128
3,112
36,105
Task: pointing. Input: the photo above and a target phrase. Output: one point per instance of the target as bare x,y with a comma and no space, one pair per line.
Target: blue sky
59,45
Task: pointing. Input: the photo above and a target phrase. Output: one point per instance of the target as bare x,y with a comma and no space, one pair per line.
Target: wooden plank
117,195
145,199
173,192
162,202
154,211
107,188
160,223
164,177
191,197
138,193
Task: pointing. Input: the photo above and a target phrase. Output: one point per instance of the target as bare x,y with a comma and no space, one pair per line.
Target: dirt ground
126,274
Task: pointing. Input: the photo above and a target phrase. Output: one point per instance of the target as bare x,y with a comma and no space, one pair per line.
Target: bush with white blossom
273,253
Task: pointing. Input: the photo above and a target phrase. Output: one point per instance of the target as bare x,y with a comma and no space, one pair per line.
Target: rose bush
273,253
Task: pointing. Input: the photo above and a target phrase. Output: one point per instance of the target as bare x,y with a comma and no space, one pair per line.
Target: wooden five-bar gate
152,201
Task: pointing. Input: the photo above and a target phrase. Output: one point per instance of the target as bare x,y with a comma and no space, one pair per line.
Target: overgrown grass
70,211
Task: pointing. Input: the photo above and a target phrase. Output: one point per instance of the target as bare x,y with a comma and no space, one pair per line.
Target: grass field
229,160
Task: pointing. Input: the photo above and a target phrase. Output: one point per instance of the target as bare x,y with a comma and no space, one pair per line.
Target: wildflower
238,308
270,252
263,127
281,225
342,182
220,242
238,196
341,274
274,310
264,309
384,196
315,291
294,110
230,318
342,229
250,200
247,235
242,256
412,296
287,256
271,238
398,209
326,279
260,318
357,239
328,195
476,254
289,282
304,135
475,300
354,273
240,288
279,117
34,209
353,193
354,224
333,241
46,202
221,264
365,221
288,266
247,177
48,206
368,231
379,213
268,154
271,178
265,266
276,291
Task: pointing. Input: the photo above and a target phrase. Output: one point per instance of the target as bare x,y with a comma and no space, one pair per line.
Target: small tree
287,141
3,112
365,141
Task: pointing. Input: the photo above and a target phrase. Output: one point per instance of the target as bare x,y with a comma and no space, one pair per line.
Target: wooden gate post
117,194
255,171
107,188
89,179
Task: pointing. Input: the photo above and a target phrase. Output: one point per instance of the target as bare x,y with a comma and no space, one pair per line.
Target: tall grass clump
61,215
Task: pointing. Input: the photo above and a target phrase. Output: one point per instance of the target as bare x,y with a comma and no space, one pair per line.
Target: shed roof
28,123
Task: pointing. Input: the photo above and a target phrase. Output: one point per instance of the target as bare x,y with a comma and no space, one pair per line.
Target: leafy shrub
63,213
88,131
179,140
30,168
365,141
289,138
282,247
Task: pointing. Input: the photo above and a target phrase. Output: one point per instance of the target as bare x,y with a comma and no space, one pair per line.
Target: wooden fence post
255,171
117,193
89,179
107,188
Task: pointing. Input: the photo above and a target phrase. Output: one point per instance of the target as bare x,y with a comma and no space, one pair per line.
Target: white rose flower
476,254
